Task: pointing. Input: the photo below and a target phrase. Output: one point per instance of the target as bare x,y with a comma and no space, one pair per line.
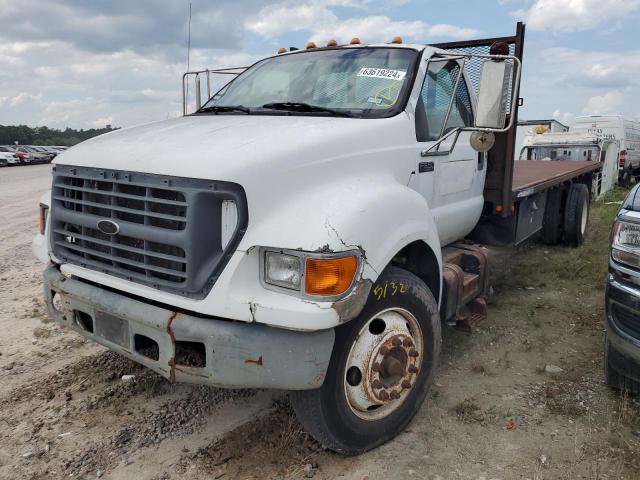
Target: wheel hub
383,364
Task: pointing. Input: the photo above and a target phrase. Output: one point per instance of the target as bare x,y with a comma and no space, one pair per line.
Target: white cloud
575,15
103,122
323,23
589,68
563,117
609,103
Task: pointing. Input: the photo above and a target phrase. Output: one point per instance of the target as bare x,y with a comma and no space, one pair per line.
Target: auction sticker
382,73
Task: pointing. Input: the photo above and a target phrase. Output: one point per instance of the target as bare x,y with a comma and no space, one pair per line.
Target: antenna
188,52
189,40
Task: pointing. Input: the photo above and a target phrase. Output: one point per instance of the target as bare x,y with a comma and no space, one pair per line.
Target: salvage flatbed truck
309,228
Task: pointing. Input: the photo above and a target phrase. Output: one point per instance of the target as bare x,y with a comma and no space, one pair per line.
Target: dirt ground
495,412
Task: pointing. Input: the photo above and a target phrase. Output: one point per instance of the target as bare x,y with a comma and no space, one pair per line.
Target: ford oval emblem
108,227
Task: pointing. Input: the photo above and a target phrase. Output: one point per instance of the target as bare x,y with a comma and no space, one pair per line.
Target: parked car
622,344
36,156
10,156
45,150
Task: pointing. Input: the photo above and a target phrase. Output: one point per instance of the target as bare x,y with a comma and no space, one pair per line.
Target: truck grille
626,320
166,231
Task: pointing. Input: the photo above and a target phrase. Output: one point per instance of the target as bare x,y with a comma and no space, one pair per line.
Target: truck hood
226,147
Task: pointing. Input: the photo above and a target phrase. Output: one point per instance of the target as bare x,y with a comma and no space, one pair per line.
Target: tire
552,222
401,314
615,379
625,179
576,215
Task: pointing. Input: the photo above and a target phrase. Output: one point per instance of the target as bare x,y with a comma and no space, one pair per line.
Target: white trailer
626,132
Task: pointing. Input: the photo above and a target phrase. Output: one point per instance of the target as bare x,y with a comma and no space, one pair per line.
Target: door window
435,98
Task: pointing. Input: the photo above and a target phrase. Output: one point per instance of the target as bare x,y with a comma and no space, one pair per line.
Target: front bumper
236,354
623,326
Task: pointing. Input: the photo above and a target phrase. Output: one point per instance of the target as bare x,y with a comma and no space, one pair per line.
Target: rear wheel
576,214
625,178
382,366
552,222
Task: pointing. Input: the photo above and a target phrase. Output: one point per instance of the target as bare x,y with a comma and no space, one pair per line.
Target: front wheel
382,366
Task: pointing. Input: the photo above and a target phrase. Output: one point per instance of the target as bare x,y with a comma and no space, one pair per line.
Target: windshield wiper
304,107
224,108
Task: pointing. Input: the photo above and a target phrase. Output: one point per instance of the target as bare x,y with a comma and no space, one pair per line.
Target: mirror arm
429,151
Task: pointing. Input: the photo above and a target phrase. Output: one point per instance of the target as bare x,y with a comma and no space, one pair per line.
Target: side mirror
493,92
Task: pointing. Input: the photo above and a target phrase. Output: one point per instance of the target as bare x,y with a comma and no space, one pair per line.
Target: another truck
616,128
309,228
577,146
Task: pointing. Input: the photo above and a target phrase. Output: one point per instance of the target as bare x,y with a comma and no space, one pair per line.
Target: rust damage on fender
257,362
350,307
172,360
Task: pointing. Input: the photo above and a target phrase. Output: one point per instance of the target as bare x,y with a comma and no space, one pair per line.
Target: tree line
24,135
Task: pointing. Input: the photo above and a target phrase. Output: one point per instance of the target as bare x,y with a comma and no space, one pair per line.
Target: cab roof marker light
311,45
355,41
332,43
396,40
282,50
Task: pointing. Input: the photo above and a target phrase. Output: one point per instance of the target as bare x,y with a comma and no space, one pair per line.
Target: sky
86,64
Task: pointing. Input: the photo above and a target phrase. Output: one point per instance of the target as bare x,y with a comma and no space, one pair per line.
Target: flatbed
532,176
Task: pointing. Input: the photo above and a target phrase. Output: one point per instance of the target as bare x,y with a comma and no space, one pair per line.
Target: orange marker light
281,50
499,208
355,41
329,276
396,40
311,45
332,43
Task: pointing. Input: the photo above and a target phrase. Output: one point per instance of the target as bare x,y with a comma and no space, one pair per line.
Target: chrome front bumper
235,354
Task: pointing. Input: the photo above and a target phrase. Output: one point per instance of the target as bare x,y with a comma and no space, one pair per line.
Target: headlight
310,274
625,243
283,270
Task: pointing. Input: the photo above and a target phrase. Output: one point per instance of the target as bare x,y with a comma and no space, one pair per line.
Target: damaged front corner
350,307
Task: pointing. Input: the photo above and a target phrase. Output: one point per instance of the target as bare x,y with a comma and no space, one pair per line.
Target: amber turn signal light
329,276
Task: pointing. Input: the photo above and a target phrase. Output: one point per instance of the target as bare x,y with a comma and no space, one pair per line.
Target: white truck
577,146
616,128
304,229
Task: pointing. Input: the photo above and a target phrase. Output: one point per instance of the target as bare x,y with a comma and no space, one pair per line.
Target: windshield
363,82
590,152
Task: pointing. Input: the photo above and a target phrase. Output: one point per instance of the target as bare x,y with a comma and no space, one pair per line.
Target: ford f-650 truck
308,227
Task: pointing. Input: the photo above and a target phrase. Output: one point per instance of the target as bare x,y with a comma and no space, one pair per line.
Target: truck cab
300,230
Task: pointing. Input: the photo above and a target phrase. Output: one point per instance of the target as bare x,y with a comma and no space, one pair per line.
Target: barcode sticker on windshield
382,73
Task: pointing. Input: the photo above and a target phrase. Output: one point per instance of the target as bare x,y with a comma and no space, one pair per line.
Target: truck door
451,178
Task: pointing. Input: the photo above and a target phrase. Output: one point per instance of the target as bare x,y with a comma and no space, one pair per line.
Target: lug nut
383,395
383,350
394,395
413,369
406,384
396,341
413,352
376,384
375,367
407,342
